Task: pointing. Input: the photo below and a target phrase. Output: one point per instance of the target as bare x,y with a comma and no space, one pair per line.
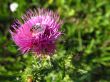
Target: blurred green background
83,51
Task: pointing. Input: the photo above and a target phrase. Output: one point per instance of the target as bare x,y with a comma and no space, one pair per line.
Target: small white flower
13,6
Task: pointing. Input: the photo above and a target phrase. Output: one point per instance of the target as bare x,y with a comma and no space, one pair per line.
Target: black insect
36,28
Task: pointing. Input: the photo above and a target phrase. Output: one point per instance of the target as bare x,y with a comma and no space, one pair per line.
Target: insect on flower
37,29
38,33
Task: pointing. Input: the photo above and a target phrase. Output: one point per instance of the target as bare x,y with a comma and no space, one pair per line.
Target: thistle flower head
38,33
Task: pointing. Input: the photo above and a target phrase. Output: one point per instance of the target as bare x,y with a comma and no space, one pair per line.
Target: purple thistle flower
38,33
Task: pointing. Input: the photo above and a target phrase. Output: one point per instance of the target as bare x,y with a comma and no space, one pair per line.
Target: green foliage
83,51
